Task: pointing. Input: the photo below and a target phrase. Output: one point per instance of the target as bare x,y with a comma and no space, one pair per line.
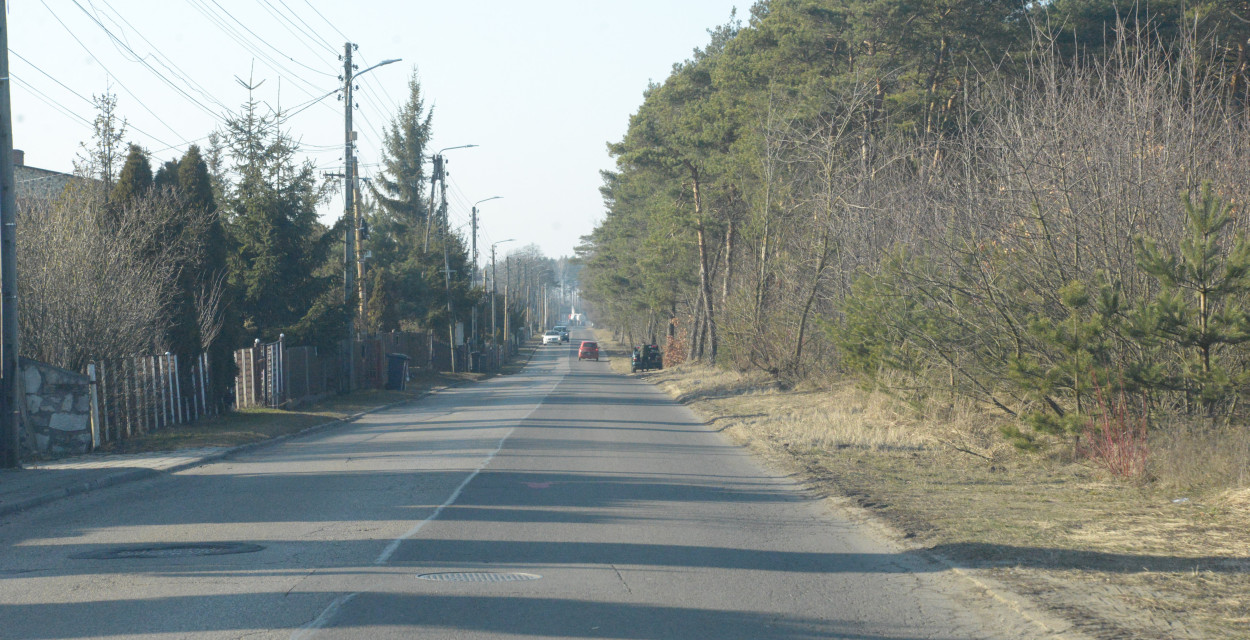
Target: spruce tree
279,249
412,287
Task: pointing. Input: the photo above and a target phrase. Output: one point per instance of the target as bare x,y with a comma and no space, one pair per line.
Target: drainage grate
186,550
477,576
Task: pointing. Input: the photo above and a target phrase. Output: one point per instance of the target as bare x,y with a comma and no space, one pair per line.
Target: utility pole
451,309
357,224
473,282
507,282
494,290
349,191
10,402
435,174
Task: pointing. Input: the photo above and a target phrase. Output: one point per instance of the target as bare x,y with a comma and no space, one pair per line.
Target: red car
588,351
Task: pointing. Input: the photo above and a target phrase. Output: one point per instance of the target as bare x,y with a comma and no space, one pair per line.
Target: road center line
309,630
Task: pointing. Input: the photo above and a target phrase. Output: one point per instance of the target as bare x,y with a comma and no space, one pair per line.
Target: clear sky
540,87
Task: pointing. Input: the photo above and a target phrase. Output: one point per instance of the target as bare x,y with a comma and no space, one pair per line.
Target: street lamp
494,289
438,175
473,283
350,257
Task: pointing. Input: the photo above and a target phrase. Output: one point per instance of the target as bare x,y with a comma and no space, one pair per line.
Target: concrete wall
58,409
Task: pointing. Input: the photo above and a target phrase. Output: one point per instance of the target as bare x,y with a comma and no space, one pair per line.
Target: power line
85,99
164,60
283,20
244,42
106,70
383,87
266,43
51,102
306,29
144,62
332,25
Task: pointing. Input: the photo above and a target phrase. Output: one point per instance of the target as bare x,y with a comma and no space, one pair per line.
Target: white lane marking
309,630
455,495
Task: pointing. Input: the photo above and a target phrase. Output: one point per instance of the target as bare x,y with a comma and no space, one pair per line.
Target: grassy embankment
1165,558
257,424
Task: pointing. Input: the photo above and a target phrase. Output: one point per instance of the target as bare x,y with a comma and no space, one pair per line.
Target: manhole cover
477,576
170,551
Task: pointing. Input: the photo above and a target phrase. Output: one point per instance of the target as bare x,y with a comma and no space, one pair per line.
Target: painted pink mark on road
538,485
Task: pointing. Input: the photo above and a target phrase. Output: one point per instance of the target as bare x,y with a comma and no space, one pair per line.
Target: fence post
161,366
205,376
95,406
159,406
240,381
178,417
133,409
105,423
280,374
194,411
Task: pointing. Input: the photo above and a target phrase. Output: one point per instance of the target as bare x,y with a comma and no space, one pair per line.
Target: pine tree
1197,308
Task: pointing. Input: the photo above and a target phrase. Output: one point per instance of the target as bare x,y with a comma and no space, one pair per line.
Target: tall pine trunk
705,280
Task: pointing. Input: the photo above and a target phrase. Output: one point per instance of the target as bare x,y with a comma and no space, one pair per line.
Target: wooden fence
144,394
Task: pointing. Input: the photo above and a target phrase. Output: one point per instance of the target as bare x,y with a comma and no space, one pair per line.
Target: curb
140,474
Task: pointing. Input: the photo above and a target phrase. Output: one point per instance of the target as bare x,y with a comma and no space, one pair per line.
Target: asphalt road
563,502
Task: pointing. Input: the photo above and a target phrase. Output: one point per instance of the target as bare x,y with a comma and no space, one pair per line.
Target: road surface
562,502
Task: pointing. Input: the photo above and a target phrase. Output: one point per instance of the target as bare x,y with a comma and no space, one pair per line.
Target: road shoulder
1064,546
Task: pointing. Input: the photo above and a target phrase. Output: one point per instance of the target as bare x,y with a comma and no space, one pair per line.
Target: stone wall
58,409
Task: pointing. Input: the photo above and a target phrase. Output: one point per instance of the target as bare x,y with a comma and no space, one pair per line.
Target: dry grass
1191,457
1120,560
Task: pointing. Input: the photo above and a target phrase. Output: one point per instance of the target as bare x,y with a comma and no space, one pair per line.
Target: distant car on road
564,332
551,337
588,351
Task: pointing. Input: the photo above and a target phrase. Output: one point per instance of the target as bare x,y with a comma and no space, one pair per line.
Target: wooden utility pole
507,283
494,290
451,309
10,399
349,213
435,173
357,223
473,281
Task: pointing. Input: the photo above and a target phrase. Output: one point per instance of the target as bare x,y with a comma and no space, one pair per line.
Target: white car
551,337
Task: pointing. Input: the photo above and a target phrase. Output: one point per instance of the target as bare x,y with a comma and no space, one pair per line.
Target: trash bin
475,361
396,371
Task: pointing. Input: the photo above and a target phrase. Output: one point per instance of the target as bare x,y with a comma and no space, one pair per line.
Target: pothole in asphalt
477,576
185,550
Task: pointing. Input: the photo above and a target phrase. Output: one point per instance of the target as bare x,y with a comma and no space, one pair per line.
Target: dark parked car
646,357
